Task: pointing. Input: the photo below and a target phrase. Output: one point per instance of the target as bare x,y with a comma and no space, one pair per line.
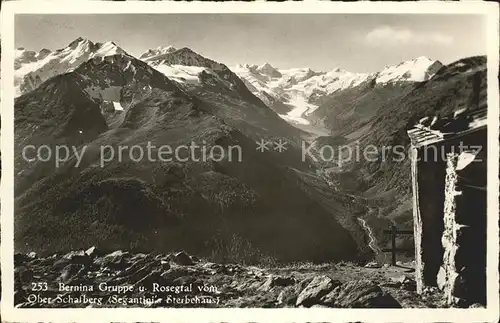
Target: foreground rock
364,294
93,278
317,288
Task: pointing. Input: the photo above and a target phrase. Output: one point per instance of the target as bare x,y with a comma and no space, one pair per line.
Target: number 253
39,287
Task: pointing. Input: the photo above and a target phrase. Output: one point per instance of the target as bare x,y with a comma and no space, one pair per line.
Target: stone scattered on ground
405,282
364,294
183,258
315,290
373,265
93,278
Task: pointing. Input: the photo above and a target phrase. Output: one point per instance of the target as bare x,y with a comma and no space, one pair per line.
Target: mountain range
269,204
295,92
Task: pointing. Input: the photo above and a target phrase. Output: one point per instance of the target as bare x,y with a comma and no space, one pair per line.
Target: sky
355,42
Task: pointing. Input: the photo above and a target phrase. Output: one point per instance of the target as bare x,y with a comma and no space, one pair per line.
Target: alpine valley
272,205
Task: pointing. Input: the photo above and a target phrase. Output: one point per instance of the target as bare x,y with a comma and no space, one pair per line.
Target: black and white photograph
250,160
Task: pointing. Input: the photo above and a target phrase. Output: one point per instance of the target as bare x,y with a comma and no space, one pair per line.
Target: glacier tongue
295,86
301,108
299,87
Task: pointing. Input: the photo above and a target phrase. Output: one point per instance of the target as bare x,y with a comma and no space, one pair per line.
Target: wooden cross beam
394,232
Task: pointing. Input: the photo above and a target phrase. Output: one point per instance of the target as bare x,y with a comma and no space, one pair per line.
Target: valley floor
123,279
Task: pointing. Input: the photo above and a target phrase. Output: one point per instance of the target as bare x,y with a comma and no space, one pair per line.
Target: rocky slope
271,205
361,110
267,204
369,115
91,279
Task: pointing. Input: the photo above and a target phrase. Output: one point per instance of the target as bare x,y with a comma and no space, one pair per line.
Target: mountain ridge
122,99
192,205
30,73
301,87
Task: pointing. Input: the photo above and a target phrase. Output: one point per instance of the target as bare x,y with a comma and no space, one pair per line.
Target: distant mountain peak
418,69
160,50
422,58
108,48
339,70
184,56
79,40
269,70
250,67
44,53
266,66
33,68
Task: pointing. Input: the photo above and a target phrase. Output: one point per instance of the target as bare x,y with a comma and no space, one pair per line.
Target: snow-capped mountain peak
338,70
188,68
160,50
23,56
33,68
418,69
80,41
299,88
249,66
294,87
108,49
269,70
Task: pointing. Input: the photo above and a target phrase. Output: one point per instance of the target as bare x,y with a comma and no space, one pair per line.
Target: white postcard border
9,313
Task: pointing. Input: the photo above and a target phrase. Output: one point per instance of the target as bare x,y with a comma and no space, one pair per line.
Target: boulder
23,275
409,284
19,259
288,296
231,269
60,264
140,269
274,281
364,294
32,255
77,257
330,299
116,260
151,278
246,284
182,258
93,252
70,272
315,290
73,254
165,265
142,256
404,282
176,272
373,264
429,290
187,281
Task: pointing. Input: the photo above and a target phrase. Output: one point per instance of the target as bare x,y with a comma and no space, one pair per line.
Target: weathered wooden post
393,231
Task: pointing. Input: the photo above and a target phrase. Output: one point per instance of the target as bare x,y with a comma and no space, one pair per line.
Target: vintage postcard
220,162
